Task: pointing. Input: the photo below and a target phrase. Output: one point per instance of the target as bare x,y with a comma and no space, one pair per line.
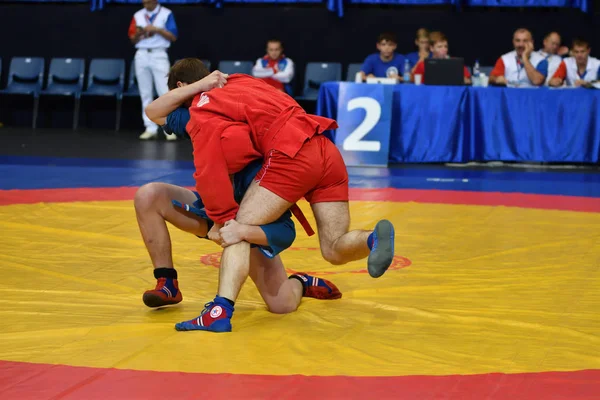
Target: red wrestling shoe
165,293
317,288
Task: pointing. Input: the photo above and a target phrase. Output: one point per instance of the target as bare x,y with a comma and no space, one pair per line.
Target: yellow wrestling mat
474,289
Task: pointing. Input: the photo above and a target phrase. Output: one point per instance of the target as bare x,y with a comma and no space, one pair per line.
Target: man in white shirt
152,30
579,70
275,68
520,67
550,52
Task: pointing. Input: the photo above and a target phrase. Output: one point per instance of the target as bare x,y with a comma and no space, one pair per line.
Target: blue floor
19,172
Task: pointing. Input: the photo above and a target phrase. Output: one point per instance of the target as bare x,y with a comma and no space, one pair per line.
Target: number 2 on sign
373,112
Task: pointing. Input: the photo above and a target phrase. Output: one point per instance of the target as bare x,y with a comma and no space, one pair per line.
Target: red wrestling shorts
317,173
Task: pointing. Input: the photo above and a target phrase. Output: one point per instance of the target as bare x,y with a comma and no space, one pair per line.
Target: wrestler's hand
214,235
215,80
233,232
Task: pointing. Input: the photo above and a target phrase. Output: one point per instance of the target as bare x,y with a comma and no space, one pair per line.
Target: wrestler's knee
331,256
147,196
278,307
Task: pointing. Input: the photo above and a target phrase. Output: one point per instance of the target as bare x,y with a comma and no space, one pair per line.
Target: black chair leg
119,108
76,113
36,106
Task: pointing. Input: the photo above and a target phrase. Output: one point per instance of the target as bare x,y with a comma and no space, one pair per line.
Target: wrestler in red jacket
298,162
276,122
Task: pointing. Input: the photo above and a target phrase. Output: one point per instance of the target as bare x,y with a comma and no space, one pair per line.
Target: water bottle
406,71
476,74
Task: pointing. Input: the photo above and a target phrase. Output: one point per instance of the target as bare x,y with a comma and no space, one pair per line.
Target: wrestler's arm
278,233
211,173
177,121
160,108
253,234
272,238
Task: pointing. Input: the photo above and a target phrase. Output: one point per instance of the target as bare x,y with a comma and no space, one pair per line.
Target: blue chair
132,86
65,78
353,69
207,63
289,87
25,77
106,78
236,67
316,74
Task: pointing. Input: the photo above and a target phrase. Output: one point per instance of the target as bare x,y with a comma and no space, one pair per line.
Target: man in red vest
275,68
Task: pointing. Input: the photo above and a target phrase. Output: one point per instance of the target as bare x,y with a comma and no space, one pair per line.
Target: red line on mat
524,200
541,201
26,381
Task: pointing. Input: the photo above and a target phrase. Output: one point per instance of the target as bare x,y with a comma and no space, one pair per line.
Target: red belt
302,219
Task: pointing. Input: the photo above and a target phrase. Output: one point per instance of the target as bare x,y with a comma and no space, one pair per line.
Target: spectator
385,64
520,67
550,53
275,68
439,49
152,30
579,70
422,42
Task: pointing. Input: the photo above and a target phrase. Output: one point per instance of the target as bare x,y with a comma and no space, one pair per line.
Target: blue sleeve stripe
171,26
542,67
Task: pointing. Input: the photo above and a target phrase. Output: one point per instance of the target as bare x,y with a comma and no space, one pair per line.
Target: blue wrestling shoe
382,249
216,317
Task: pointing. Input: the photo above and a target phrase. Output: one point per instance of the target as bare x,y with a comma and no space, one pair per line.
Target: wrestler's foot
165,293
382,250
317,288
216,317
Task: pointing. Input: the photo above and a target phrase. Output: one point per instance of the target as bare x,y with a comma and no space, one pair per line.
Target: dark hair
387,37
186,70
550,34
422,33
523,30
581,42
275,40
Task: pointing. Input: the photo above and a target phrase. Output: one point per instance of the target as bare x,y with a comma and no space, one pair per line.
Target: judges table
429,124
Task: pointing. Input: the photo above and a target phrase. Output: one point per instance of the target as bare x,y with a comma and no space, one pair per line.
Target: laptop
444,71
